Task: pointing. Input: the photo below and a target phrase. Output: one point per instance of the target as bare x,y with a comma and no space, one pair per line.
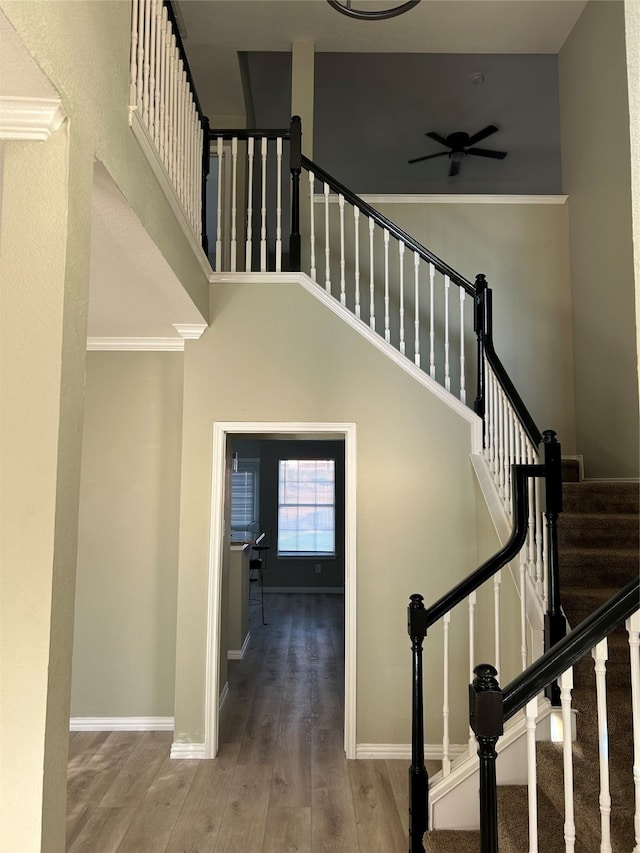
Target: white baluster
532,782
472,656
509,452
152,68
356,239
446,760
249,240
489,421
497,652
566,686
416,302
219,209
146,68
401,262
541,575
447,376
279,205
522,572
387,332
234,191
372,301
312,226
172,107
432,333
600,656
133,70
327,260
343,292
164,65
463,379
633,630
263,207
140,57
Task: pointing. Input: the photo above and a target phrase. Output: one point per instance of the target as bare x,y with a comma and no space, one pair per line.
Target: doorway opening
220,522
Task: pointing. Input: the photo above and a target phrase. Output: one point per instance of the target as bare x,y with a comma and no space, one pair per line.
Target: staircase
599,541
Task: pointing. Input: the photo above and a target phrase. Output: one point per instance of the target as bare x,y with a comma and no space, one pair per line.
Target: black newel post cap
485,702
416,617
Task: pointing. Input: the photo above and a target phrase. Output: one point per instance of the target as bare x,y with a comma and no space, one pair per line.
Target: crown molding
190,331
135,344
34,119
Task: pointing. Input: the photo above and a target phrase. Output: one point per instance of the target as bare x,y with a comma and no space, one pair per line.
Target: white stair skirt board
453,800
312,590
121,724
238,654
432,751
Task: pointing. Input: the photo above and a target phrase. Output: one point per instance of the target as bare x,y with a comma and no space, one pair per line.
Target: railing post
418,777
295,157
555,626
486,721
206,163
479,329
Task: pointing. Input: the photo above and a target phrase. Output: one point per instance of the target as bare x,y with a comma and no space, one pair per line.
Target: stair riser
601,498
596,574
599,532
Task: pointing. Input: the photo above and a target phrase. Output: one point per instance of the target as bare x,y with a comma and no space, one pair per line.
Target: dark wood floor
281,781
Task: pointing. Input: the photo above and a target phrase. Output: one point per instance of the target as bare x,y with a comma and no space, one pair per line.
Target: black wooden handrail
519,476
484,325
183,55
249,133
570,649
393,229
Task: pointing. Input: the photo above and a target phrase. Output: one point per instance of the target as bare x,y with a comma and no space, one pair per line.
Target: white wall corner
34,119
190,331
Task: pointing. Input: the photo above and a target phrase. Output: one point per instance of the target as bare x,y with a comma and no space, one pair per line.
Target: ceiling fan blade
482,134
428,157
486,152
438,138
455,168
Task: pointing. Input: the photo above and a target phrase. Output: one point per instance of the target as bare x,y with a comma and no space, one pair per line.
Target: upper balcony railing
165,112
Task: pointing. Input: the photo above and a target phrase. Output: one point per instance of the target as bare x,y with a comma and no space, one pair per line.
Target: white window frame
282,552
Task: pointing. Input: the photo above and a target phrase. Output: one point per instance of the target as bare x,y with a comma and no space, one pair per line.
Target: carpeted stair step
598,530
605,497
451,841
586,772
513,822
610,567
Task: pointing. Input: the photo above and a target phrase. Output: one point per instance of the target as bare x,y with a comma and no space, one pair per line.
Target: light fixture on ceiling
346,8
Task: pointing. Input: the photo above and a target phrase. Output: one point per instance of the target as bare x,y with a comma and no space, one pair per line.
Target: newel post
206,162
418,777
295,157
555,626
486,721
479,315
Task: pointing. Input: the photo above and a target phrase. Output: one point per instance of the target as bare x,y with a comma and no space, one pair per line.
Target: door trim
221,429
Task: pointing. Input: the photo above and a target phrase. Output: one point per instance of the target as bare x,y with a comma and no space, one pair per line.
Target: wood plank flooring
281,781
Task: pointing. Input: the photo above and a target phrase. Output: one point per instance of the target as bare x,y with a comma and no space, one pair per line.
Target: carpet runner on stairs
599,541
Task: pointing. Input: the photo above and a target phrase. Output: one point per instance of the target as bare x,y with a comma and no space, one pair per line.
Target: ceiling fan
459,145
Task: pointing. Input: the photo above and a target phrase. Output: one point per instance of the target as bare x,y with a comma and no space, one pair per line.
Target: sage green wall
522,248
84,49
596,173
44,271
416,514
125,614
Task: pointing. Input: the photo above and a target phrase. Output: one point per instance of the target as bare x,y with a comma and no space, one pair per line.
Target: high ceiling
216,30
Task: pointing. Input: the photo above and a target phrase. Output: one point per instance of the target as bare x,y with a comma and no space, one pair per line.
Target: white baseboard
121,724
192,751
315,590
238,654
432,751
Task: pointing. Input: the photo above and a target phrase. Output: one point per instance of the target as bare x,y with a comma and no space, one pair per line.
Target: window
245,483
306,507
